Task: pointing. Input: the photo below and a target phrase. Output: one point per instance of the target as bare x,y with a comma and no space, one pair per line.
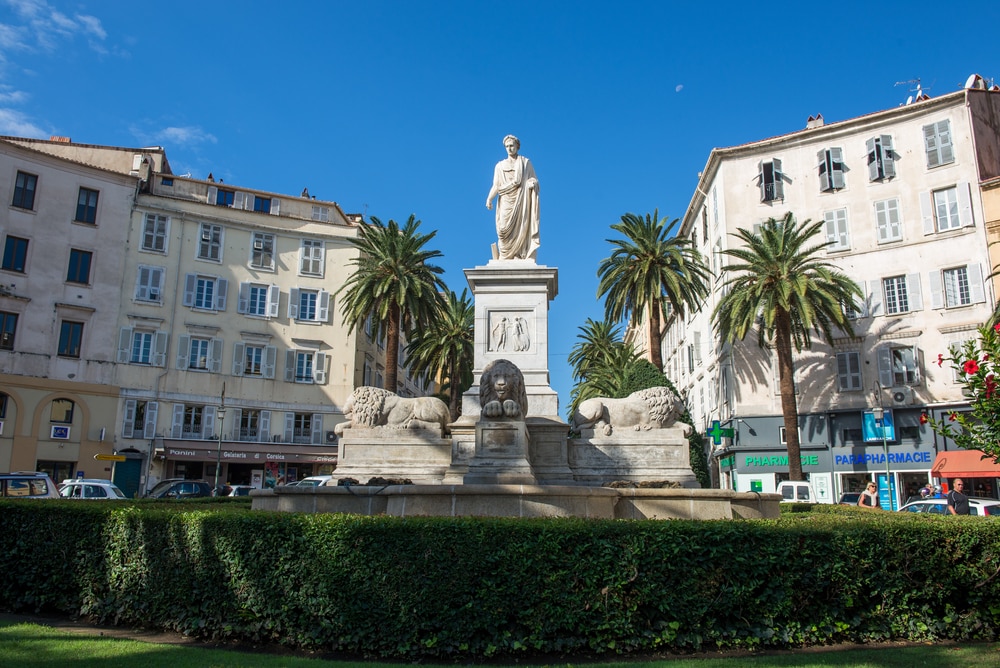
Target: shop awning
964,464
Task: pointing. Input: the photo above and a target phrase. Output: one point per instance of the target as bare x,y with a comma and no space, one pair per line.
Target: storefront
980,475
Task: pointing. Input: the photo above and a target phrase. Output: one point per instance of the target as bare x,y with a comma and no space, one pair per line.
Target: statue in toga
516,189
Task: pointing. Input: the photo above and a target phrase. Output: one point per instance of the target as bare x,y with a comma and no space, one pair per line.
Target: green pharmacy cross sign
718,433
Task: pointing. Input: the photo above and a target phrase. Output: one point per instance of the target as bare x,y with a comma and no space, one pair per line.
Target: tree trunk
455,400
655,345
789,405
392,349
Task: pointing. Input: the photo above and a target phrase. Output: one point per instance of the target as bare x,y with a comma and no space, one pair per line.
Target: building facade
900,197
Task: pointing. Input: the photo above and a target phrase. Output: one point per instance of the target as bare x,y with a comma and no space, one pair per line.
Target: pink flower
990,386
940,359
970,367
923,418
996,328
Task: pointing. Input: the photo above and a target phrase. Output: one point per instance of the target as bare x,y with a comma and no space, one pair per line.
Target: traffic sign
110,458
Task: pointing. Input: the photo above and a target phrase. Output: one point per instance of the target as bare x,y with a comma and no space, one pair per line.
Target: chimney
61,140
816,122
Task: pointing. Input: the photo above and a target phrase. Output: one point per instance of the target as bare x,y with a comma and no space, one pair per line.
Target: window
79,266
262,204
368,326
24,191
831,169
849,371
305,366
937,144
8,327
769,179
210,246
836,230
142,347
321,213
154,233
946,209
225,197
898,365
254,360
258,299
61,411
149,284
303,428
896,297
199,353
192,424
369,372
15,254
86,206
70,338
262,251
881,162
312,253
139,346
309,305
887,220
250,425
205,292
958,286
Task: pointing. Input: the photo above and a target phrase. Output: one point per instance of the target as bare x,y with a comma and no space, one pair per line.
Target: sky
393,108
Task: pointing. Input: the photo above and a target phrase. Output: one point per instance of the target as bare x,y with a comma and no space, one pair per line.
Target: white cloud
14,123
177,136
8,96
678,88
44,27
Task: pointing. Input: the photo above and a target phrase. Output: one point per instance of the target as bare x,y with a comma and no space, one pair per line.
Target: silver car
90,488
940,506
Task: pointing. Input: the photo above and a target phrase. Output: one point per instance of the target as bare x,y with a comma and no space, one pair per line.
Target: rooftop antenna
920,93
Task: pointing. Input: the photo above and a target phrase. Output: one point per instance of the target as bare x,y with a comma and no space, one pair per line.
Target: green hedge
423,588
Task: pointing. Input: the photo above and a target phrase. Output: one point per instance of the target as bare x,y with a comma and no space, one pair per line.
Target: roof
965,464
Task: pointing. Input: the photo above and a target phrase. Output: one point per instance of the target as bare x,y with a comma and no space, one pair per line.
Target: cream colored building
899,194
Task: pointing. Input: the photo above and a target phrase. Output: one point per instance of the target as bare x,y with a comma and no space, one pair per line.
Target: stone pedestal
501,455
420,455
653,455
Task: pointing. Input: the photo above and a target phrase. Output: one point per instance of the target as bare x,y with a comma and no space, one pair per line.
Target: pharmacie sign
864,458
778,460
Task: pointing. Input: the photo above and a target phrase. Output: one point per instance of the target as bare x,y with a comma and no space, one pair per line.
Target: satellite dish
909,99
972,81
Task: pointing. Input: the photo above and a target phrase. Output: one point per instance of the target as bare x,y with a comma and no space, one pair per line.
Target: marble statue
375,408
502,392
516,189
653,408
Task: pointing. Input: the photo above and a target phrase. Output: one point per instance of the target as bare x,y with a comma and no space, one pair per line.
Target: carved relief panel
510,331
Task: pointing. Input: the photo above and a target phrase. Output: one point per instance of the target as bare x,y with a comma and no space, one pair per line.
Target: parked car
940,506
849,499
90,488
314,481
178,488
796,492
27,485
241,490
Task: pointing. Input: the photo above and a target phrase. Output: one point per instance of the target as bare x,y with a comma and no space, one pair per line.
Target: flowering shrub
978,365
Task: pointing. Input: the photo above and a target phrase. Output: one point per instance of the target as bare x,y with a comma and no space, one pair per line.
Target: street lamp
878,412
220,412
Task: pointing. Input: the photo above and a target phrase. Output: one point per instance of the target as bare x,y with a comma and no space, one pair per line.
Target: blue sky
393,108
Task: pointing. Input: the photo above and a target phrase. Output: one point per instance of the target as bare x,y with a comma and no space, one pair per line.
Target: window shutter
149,429
221,288
234,416
243,299
289,366
213,195
888,160
937,289
885,377
240,200
323,312
977,290
317,429
183,349
760,181
293,303
190,286
264,427
208,423
215,356
779,186
927,212
319,369
273,297
177,422
944,142
837,168
913,294
930,146
964,204
124,344
275,206
289,427
239,357
128,425
142,284
875,295
824,176
872,160
270,360
916,365
160,340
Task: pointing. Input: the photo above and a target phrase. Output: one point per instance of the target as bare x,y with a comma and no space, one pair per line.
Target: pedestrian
925,491
958,502
869,497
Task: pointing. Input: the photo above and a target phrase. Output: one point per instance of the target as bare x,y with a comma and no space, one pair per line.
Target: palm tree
601,363
394,282
648,270
445,348
782,289
595,342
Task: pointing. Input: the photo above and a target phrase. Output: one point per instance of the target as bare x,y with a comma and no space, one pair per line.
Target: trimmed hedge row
420,588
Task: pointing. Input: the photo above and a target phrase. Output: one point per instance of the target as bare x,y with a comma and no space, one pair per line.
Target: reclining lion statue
653,408
373,407
502,392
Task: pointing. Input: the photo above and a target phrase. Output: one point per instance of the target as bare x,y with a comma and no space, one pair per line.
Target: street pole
221,414
878,412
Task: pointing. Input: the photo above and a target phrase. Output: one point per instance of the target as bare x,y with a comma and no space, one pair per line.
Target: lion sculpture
373,407
502,392
653,408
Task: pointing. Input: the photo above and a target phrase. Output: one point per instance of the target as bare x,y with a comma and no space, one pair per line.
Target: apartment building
207,326
900,195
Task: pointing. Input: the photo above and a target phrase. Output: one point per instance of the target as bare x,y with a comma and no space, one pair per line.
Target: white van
796,491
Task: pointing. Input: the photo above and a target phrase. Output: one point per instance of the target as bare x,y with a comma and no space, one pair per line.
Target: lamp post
878,412
220,413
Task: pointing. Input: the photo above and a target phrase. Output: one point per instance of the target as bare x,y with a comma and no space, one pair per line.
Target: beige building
899,193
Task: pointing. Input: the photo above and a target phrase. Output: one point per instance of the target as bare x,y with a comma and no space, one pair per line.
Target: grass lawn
28,645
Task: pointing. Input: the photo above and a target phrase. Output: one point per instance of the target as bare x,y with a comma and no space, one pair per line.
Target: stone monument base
632,455
420,455
501,455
